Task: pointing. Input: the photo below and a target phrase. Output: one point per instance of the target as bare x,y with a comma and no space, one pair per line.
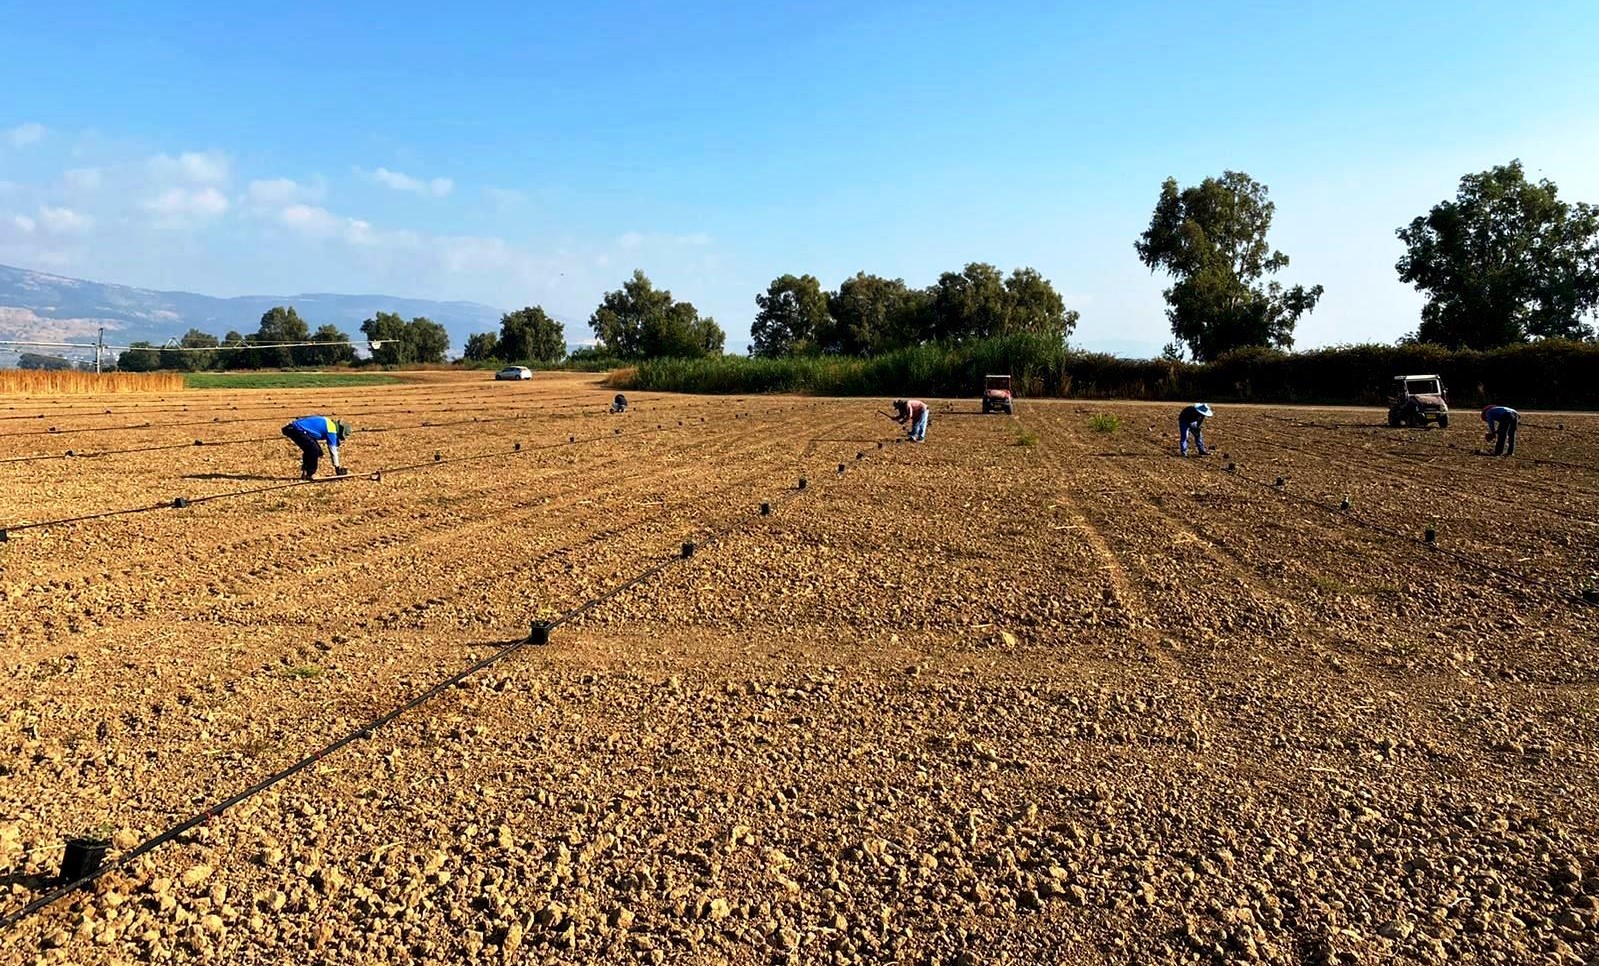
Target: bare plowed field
1025,693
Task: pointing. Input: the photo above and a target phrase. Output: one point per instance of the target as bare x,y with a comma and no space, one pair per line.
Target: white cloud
23,224
310,219
274,193
638,239
64,221
193,167
83,179
316,222
503,198
178,206
30,133
398,181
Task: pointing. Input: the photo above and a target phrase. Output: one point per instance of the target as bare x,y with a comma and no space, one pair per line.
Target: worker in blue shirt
1502,423
309,433
1192,420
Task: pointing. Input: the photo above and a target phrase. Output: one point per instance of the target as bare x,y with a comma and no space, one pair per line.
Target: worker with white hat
1192,420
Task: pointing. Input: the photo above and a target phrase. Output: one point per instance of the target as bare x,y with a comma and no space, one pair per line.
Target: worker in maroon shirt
913,414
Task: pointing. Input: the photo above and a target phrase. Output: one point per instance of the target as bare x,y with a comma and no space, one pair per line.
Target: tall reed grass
1550,374
57,382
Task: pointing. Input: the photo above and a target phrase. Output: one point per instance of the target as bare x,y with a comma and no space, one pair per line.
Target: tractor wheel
1443,420
1394,420
1416,420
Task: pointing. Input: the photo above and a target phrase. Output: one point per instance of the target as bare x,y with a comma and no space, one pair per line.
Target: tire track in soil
279,560
1395,465
1419,618
479,555
308,708
259,619
331,520
1267,604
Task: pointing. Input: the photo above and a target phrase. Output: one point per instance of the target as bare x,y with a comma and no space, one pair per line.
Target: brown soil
967,702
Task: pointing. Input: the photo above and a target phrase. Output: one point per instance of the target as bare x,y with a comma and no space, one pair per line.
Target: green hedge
1549,374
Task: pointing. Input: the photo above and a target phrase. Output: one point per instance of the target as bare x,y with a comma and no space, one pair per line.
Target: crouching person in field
619,404
912,414
1502,425
309,433
1192,421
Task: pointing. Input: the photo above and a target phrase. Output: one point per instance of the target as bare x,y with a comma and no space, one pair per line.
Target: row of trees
1504,262
637,321
394,340
869,314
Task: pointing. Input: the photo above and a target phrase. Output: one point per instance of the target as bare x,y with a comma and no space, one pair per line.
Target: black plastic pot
1431,536
766,509
84,856
688,549
539,634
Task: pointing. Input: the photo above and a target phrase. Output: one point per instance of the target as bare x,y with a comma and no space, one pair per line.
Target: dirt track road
963,702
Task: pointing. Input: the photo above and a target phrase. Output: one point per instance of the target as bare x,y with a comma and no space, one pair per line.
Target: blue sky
509,154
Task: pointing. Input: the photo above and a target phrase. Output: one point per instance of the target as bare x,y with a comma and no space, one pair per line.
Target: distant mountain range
36,307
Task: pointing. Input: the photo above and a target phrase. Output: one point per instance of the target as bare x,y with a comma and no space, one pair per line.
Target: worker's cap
1485,411
901,404
1203,409
345,429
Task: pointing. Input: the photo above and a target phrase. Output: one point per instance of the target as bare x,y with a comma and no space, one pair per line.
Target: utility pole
99,347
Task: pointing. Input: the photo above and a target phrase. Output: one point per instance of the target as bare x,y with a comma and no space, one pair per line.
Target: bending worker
1192,420
309,433
1502,424
619,404
912,414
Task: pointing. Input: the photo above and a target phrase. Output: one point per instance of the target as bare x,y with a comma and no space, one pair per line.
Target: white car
514,372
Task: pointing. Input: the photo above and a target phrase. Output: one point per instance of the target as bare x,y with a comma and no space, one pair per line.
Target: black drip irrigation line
539,635
1342,512
219,421
1375,431
439,459
92,454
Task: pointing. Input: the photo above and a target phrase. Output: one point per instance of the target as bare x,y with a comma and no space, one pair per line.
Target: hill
38,307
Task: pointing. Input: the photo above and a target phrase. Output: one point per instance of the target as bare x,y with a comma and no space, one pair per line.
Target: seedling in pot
539,634
83,857
688,549
180,503
802,483
766,509
438,457
1431,535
